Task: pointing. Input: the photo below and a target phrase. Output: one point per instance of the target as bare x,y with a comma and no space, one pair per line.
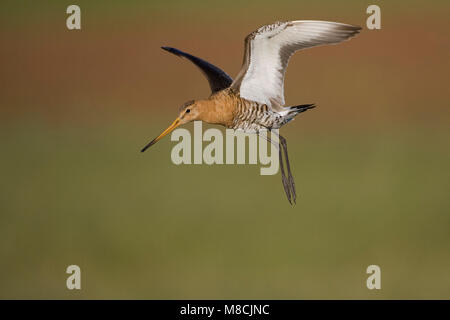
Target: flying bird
254,100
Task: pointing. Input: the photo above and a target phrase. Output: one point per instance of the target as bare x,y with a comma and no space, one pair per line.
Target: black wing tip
350,29
356,30
217,78
353,27
173,50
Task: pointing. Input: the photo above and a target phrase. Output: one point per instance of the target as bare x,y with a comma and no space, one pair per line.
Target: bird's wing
217,78
267,53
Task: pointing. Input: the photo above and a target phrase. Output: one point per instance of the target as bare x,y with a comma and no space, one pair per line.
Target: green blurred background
371,162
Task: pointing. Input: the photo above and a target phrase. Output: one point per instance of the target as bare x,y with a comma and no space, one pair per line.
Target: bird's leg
284,180
291,183
290,177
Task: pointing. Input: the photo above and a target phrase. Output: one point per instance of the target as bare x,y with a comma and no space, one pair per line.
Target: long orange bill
175,124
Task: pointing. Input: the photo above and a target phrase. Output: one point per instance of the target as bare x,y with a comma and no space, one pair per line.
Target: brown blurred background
371,162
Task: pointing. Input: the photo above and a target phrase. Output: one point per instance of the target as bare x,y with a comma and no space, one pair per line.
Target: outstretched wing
218,79
267,53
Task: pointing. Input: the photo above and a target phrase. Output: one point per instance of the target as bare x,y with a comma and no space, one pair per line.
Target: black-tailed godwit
254,100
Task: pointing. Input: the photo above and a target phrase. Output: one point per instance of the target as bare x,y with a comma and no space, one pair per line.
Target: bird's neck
218,109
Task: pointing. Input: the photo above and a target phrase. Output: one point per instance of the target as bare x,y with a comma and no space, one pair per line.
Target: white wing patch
268,52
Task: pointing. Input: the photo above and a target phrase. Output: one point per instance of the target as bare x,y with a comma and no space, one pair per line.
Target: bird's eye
188,110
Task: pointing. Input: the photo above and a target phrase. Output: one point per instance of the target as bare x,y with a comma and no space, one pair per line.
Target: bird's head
189,111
